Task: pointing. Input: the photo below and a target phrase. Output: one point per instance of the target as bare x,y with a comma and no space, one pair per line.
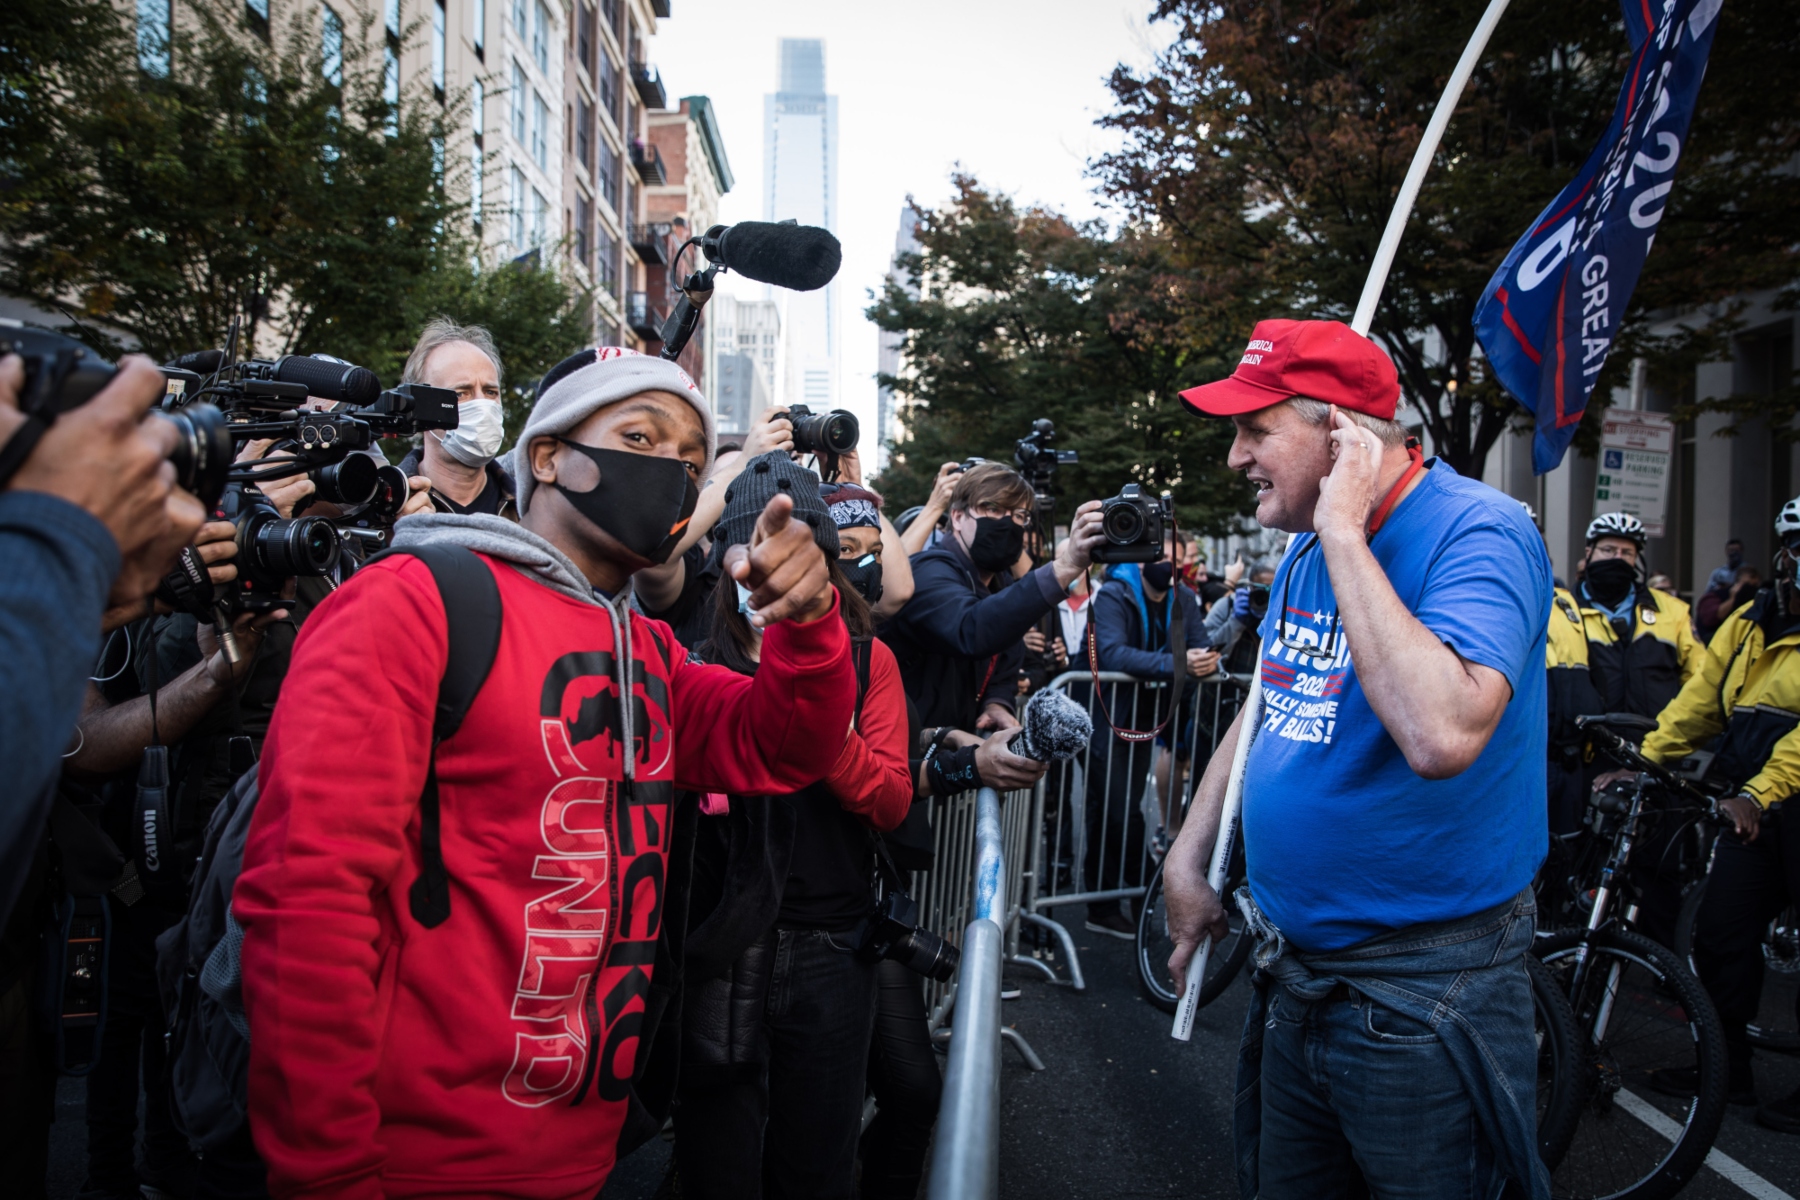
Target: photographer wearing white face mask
461,463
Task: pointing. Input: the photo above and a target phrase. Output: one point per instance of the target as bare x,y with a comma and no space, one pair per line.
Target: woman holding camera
779,1005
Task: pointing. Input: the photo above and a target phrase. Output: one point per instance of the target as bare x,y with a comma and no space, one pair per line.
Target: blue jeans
1407,1063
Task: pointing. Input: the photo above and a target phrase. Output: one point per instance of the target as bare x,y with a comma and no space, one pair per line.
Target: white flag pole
1365,316
1415,174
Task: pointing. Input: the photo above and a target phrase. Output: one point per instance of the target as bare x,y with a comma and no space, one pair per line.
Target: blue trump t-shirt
1344,842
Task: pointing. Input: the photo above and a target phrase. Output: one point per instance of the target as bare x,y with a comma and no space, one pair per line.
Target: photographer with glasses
1237,612
1393,800
959,640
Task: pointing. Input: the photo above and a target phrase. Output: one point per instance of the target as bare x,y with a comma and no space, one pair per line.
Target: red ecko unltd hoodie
491,1055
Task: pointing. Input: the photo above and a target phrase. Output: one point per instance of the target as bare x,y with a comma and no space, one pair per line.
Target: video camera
1037,458
1134,526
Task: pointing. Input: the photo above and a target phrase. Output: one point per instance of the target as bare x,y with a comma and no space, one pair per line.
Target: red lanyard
1413,469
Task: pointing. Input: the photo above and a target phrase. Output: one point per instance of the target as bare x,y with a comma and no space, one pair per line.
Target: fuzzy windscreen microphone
1054,728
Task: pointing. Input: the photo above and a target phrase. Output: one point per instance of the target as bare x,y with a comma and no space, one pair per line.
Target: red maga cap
1321,360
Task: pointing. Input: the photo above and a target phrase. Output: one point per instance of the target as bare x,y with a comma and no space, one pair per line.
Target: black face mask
864,575
1159,575
1610,580
643,501
997,544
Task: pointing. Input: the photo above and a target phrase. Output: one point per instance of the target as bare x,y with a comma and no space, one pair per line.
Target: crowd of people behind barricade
587,809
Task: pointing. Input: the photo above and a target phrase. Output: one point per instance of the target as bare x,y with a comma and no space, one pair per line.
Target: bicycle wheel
1781,959
1562,1065
1154,945
1642,1014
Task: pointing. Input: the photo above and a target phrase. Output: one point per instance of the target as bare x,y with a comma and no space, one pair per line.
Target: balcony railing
649,85
649,163
645,319
651,241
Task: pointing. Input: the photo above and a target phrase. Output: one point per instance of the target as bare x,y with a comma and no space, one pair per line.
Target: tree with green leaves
157,190
1269,138
1021,314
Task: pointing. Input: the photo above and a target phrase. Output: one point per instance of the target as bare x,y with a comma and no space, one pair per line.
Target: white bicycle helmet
1620,525
1787,521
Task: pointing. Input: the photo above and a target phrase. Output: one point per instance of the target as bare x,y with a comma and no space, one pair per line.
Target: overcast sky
1008,89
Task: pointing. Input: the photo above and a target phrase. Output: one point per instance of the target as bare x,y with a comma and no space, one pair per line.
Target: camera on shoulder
1135,526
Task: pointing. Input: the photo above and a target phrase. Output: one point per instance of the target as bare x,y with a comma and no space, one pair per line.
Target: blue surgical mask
743,598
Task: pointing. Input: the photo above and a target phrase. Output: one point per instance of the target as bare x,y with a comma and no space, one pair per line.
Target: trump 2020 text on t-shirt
1344,841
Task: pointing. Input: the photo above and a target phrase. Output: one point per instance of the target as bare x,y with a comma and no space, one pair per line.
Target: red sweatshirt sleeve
871,778
324,844
774,733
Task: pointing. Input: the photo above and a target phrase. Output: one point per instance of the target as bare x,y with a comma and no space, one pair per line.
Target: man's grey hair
1317,412
441,332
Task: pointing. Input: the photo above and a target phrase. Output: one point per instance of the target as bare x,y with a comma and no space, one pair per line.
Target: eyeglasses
1020,516
1325,651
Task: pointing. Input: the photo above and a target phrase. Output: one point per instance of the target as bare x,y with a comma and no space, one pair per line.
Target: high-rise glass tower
800,135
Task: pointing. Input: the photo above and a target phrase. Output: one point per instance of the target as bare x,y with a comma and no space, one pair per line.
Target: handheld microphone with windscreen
1054,728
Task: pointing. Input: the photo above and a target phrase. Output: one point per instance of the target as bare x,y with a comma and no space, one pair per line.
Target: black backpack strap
472,613
860,654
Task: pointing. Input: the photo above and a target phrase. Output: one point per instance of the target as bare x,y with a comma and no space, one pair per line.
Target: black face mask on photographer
997,543
864,575
1610,580
643,501
1159,575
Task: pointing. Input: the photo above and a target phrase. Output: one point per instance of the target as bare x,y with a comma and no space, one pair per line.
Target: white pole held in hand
1415,174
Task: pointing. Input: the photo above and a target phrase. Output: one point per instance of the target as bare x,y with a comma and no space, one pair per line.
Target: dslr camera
824,435
62,374
893,932
1134,526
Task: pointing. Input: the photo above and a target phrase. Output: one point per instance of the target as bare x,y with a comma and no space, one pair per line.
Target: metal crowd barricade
1086,846
965,1159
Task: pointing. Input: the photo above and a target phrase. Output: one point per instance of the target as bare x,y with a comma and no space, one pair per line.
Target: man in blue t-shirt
1393,801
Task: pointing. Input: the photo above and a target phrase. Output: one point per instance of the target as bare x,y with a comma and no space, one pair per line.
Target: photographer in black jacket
958,640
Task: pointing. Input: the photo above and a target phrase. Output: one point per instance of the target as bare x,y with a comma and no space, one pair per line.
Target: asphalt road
1121,1110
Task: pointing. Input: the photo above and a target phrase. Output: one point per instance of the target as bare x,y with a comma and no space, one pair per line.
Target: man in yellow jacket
1748,692
1615,645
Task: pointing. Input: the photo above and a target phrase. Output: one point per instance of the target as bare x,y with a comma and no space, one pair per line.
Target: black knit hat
748,494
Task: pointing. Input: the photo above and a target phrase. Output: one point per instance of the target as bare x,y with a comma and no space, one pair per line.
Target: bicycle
1154,944
1645,1019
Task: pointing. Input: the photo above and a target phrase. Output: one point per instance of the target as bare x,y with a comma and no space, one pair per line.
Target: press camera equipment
1134,526
62,374
1259,598
824,436
893,932
1036,455
802,258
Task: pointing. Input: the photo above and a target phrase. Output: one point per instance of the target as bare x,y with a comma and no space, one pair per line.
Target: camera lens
203,451
835,432
352,481
391,492
1123,523
282,547
925,952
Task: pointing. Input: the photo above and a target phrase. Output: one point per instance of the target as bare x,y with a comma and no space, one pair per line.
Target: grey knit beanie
748,494
584,383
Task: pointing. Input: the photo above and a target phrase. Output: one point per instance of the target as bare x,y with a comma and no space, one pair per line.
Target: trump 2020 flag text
1549,315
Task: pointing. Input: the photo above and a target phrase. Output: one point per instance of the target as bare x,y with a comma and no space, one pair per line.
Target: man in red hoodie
492,1055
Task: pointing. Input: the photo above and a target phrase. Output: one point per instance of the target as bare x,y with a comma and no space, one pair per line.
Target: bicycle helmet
1616,525
908,517
1787,521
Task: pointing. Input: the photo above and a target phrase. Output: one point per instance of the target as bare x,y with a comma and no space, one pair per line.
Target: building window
518,104
390,86
584,37
518,19
478,17
475,187
258,12
610,8
609,176
539,209
153,36
609,88
606,262
331,45
518,209
584,222
478,109
439,21
393,18
584,134
540,132
540,37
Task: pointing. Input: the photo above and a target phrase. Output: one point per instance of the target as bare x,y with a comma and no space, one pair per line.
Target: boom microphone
200,362
803,258
329,378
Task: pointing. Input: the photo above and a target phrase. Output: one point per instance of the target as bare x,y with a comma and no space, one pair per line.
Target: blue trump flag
1549,315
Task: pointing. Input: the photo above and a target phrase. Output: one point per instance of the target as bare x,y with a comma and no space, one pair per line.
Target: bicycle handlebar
1617,745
